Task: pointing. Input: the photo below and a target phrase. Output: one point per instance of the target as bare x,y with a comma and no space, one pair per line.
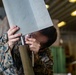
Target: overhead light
47,6
61,24
61,41
74,62
73,1
73,13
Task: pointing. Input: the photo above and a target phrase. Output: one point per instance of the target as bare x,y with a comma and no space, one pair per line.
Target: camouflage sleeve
6,61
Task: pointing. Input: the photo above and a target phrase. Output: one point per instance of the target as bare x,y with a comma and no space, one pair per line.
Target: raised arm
7,42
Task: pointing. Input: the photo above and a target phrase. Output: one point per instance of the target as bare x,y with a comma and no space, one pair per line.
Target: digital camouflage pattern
10,62
44,63
6,61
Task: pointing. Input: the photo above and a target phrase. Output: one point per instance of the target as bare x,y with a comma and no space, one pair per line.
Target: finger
35,46
35,49
33,42
26,37
15,36
12,27
14,30
31,39
32,48
29,42
15,40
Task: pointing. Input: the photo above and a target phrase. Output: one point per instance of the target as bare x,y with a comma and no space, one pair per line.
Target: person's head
46,36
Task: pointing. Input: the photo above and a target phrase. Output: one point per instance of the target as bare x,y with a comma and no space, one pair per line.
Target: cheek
42,39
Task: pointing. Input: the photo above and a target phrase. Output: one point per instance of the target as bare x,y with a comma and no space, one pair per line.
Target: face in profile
39,37
46,36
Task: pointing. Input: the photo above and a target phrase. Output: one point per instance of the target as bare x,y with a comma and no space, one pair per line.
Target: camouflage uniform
10,62
44,63
6,61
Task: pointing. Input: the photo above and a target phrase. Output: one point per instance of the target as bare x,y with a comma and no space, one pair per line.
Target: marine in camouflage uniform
10,62
44,63
6,61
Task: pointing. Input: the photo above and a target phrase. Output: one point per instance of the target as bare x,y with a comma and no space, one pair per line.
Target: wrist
10,45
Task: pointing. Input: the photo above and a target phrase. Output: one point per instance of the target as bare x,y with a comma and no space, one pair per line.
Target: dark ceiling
60,10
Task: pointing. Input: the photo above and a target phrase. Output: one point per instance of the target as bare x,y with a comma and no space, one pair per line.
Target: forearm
5,57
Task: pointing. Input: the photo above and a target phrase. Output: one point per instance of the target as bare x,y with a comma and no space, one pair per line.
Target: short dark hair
51,33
